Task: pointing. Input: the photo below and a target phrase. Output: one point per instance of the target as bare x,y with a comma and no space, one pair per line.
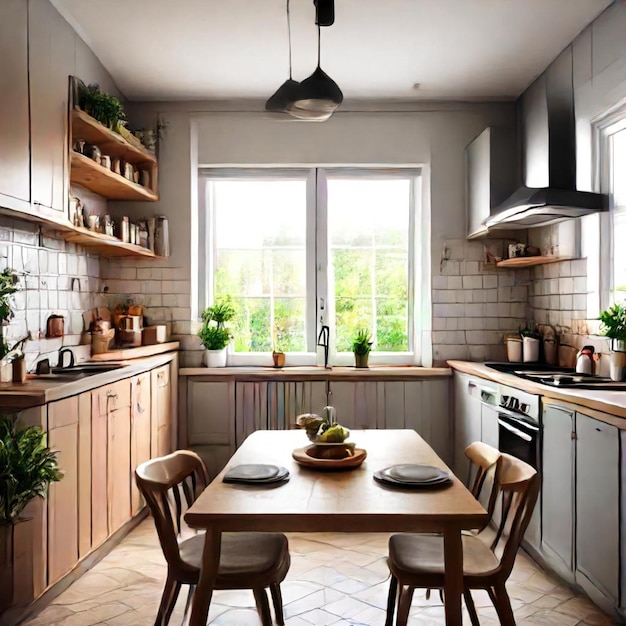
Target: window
612,171
300,249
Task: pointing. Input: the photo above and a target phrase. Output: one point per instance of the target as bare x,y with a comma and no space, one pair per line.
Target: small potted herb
613,326
361,346
214,335
530,342
27,467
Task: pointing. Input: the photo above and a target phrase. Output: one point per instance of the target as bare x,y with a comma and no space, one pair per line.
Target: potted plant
361,346
530,342
8,286
107,109
27,467
613,326
214,335
278,356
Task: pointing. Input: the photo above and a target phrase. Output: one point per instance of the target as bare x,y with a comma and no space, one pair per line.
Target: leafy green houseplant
27,467
613,326
213,333
361,346
8,286
107,109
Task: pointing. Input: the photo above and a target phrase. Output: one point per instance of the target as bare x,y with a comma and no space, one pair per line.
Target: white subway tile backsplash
566,285
490,282
472,282
580,284
450,268
455,282
438,282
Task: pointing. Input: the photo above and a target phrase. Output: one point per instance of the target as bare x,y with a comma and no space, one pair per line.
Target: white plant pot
215,358
618,366
531,349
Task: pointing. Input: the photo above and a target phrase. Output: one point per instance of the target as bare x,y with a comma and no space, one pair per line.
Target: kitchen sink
86,369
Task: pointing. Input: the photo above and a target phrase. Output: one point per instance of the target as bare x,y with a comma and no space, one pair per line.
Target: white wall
430,135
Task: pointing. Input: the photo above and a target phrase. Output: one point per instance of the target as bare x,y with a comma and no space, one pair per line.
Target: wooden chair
170,484
417,561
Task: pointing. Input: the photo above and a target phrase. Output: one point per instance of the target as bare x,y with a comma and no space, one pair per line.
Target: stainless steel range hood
546,114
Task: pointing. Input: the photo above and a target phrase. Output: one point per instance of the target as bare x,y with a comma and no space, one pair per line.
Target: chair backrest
170,484
485,461
519,485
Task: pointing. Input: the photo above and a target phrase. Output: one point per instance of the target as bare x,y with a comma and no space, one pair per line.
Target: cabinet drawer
63,412
112,397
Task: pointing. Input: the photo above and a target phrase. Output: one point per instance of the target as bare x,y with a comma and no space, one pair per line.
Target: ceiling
233,49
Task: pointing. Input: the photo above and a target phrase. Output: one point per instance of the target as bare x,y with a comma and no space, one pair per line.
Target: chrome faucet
62,353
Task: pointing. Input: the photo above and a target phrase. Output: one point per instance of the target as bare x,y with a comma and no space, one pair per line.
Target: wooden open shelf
91,175
104,245
85,127
531,261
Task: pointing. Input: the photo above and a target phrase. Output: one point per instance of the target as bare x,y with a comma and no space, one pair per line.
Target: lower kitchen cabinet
467,421
101,436
220,413
140,433
162,407
558,487
597,507
581,500
63,421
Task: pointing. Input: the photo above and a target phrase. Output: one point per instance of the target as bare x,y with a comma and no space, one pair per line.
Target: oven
519,436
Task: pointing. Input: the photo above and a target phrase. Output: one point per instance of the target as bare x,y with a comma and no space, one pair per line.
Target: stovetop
552,376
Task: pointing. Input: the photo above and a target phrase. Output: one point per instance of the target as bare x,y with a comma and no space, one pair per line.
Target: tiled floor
338,579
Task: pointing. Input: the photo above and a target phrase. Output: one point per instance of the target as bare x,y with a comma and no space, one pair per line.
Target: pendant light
318,96
287,92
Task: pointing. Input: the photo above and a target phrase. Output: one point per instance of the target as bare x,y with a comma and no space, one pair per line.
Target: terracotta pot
360,360
279,359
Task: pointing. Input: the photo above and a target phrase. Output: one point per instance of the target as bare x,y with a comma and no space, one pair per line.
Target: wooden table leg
453,559
208,574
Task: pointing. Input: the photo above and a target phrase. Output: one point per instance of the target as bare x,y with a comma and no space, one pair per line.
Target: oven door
519,437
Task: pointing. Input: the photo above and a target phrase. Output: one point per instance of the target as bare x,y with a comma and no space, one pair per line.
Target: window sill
374,372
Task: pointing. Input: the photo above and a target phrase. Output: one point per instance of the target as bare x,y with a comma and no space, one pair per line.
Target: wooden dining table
334,501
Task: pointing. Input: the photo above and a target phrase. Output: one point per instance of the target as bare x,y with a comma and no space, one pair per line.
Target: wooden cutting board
124,354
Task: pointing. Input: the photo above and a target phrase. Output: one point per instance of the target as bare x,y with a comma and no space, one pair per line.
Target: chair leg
404,606
277,601
262,606
391,600
503,606
168,600
471,609
192,588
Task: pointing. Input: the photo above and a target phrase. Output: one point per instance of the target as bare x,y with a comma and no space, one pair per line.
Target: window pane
368,234
260,260
618,169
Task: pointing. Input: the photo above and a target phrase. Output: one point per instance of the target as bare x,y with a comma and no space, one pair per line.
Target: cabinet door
140,433
162,408
14,123
467,421
99,438
211,421
51,62
558,486
597,505
84,474
489,426
118,479
63,495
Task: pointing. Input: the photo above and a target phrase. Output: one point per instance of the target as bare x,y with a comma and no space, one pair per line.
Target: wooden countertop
611,402
317,373
38,391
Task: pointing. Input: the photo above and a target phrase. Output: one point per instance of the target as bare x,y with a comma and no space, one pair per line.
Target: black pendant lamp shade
287,92
283,96
317,97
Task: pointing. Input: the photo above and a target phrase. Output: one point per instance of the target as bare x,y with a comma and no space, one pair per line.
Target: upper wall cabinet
14,131
491,172
51,61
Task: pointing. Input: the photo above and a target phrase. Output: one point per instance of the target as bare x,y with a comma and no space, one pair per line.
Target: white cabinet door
14,123
489,425
51,62
467,421
597,506
558,488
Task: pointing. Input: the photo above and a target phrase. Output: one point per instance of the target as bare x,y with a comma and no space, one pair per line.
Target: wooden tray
350,462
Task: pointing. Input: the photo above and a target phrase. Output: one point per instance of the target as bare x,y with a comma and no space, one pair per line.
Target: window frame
604,129
317,252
